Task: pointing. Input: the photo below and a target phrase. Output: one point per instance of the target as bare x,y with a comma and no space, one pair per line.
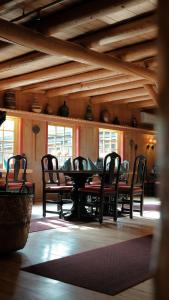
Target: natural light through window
60,142
7,140
109,141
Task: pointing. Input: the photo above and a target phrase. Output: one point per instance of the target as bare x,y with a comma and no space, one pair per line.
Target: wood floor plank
50,244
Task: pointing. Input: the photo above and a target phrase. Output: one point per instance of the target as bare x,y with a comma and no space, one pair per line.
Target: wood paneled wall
88,132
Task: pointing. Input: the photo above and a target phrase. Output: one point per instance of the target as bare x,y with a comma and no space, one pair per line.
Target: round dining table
79,179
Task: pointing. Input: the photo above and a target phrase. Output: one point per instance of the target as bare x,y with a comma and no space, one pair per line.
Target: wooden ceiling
105,50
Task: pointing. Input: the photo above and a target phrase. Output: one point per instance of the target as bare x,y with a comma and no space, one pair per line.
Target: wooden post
162,246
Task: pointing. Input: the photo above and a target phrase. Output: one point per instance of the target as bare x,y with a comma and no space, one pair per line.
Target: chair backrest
139,171
80,163
16,170
111,170
49,163
124,171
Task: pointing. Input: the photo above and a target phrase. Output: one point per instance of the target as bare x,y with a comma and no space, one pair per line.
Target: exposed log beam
93,74
86,12
115,33
132,100
34,40
63,19
141,104
118,95
149,88
132,53
89,87
43,75
137,51
105,90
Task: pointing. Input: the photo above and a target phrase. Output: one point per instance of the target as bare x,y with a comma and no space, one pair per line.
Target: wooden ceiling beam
89,86
105,90
132,100
135,52
67,69
85,12
118,95
129,54
141,104
20,35
149,88
115,33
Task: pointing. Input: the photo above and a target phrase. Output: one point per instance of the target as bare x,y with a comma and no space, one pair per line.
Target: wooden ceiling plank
118,95
91,85
83,13
149,88
132,100
53,46
103,90
44,75
113,34
141,104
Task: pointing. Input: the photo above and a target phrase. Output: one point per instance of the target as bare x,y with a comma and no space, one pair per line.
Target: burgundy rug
108,270
49,223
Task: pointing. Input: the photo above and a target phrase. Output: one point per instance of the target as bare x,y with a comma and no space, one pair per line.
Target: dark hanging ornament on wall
89,113
63,110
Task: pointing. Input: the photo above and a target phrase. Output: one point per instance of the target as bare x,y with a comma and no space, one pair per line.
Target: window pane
108,142
8,136
60,142
9,125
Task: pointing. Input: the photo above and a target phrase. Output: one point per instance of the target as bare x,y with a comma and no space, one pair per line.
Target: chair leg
115,208
141,204
101,211
131,206
44,204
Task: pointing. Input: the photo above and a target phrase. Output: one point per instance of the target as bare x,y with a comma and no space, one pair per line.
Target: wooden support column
161,247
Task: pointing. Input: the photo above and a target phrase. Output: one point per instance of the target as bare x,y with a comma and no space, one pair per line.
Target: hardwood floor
50,244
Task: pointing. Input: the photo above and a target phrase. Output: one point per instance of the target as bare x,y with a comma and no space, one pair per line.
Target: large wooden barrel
15,215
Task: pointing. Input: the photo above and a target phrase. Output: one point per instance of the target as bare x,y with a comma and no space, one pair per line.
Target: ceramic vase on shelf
63,110
10,100
48,109
36,107
133,122
89,113
105,116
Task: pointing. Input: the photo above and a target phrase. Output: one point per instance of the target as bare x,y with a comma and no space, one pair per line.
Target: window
7,140
109,141
60,142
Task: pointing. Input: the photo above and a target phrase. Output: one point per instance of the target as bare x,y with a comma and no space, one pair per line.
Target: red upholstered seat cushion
15,185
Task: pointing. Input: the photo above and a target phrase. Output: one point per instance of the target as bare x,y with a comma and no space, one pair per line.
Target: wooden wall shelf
54,118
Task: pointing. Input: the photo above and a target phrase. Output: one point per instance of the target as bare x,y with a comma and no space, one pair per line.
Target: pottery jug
64,110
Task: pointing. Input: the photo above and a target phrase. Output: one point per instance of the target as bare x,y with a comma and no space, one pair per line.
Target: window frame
16,137
73,137
119,148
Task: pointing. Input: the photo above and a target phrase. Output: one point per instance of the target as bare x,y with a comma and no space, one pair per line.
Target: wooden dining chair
124,172
127,193
16,180
80,163
107,191
52,185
